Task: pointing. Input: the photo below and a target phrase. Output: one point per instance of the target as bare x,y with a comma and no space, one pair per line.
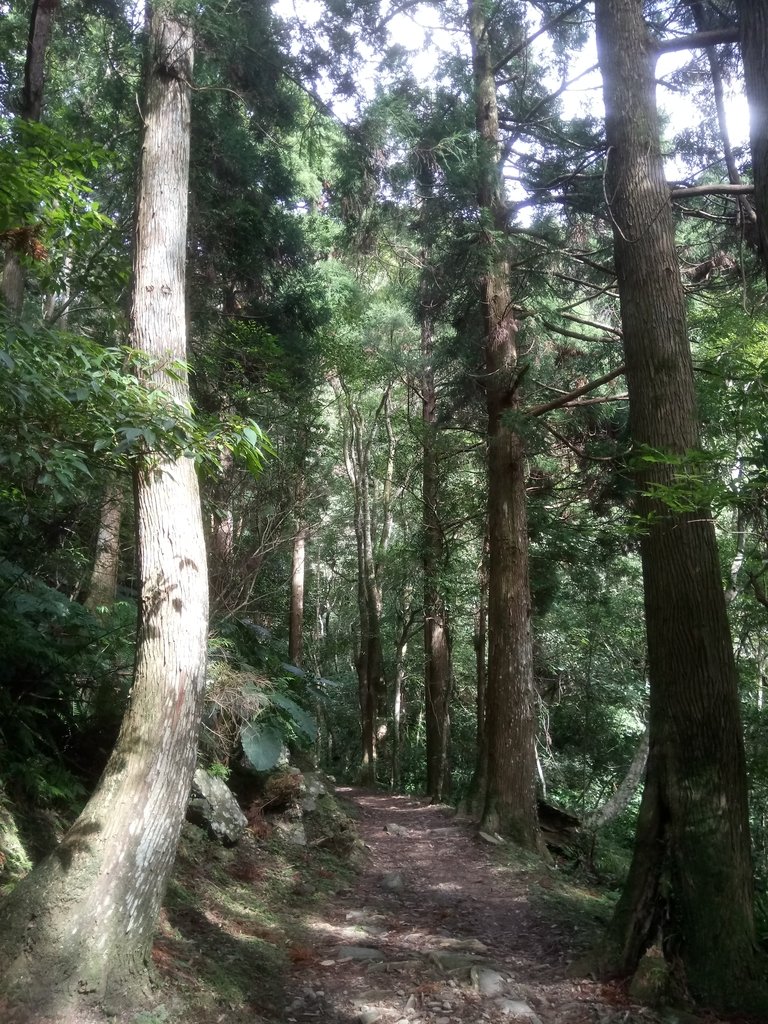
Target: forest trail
437,930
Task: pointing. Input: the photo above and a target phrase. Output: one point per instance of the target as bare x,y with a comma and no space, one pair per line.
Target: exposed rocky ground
434,927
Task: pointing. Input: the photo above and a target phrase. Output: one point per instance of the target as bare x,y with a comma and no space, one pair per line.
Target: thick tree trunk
79,928
510,806
437,642
691,875
106,564
753,31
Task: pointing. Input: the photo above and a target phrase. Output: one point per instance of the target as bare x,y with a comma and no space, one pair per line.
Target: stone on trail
368,1016
487,982
447,960
494,840
213,807
517,1008
359,953
464,945
292,832
395,830
393,881
313,786
357,916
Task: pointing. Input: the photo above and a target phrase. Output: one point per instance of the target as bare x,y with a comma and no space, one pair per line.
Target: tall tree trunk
405,617
691,874
40,29
296,611
370,660
298,576
753,31
221,536
106,564
79,928
475,799
365,696
30,109
703,20
510,805
437,642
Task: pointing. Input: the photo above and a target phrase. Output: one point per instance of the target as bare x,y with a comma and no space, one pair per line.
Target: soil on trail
436,929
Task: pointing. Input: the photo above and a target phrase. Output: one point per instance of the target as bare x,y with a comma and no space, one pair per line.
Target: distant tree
79,928
102,587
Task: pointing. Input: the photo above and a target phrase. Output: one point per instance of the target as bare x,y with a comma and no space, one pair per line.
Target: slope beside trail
437,929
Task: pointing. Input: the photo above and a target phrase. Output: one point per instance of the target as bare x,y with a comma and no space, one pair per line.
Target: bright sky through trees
420,32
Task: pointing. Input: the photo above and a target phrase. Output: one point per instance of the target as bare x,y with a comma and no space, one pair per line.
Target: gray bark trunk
106,564
79,928
618,802
437,641
296,611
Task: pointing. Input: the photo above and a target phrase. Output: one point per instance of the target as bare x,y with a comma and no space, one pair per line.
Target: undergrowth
235,923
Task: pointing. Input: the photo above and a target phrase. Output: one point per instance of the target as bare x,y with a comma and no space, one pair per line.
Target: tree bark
691,874
106,564
78,930
510,806
618,801
296,612
475,799
405,617
753,36
221,536
437,641
40,29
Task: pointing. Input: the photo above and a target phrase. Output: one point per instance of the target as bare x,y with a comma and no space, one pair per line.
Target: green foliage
262,745
44,182
260,705
69,399
56,669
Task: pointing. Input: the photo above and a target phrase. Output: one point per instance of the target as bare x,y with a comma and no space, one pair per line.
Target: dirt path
436,931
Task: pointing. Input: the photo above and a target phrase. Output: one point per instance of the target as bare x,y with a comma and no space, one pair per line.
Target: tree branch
591,323
576,335
697,40
546,27
713,190
557,403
